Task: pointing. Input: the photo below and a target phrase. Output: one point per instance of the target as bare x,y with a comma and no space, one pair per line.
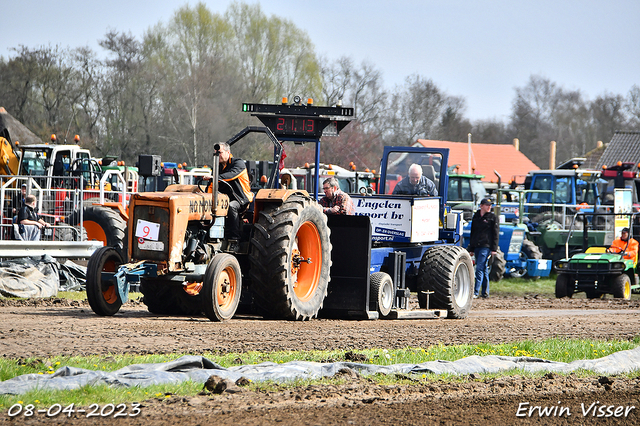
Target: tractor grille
152,250
590,267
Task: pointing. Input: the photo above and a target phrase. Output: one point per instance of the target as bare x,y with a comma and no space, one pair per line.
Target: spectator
335,201
416,184
18,200
626,246
29,221
485,232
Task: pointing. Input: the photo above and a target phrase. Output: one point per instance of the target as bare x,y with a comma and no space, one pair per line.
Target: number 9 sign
147,230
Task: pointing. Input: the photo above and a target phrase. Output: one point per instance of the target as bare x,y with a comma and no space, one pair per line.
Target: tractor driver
626,246
416,184
234,172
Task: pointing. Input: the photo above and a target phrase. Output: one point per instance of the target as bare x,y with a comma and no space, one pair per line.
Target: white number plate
147,230
150,245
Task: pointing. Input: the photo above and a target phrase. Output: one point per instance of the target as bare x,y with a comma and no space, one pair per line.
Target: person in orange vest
234,172
625,245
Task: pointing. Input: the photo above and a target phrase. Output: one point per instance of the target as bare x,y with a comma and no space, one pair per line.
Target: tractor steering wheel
223,187
199,184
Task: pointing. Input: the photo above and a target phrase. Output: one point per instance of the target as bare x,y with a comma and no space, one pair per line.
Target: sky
479,50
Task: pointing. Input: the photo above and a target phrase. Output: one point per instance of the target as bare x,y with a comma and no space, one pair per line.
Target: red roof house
485,158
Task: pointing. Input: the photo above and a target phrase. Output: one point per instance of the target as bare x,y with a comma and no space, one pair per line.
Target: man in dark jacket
234,172
416,184
485,233
29,221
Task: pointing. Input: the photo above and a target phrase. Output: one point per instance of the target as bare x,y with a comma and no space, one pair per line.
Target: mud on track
60,327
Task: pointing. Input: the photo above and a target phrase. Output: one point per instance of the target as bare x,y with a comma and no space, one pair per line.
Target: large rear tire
621,287
159,297
446,271
290,259
222,288
103,295
382,292
103,224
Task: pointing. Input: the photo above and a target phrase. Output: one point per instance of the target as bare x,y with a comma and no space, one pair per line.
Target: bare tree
275,57
633,107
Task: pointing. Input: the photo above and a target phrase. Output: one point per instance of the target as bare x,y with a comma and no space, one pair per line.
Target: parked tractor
550,200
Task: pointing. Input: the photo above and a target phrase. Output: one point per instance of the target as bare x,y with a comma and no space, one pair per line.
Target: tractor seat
596,250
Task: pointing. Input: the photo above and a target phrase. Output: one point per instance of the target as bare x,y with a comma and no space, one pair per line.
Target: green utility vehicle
598,271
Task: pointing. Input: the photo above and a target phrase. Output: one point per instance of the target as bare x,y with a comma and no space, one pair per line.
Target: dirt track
39,329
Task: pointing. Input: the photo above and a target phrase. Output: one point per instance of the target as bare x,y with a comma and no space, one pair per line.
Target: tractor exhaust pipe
215,171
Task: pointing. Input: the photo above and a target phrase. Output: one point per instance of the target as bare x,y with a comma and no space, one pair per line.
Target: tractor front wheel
564,286
102,293
222,287
621,287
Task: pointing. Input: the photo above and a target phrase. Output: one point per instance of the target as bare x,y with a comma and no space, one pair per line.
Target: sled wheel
382,292
446,271
290,259
222,287
102,294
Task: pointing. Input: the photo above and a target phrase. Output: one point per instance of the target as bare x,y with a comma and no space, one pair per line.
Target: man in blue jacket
485,233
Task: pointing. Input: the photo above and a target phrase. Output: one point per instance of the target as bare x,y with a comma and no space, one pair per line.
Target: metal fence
58,207
60,201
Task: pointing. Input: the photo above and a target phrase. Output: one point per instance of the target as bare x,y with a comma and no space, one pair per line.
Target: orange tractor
177,252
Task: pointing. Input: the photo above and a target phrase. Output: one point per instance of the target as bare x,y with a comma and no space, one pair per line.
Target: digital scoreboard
300,122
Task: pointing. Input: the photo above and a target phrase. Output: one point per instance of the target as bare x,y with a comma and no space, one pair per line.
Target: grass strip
551,349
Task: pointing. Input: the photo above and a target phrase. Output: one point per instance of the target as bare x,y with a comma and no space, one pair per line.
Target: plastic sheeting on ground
199,369
26,277
31,277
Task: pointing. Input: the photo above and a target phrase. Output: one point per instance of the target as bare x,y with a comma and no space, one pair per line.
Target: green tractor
598,271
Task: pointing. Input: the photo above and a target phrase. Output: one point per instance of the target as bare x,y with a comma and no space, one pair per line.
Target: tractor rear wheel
528,251
103,295
497,267
446,271
188,299
564,286
222,287
290,259
382,292
159,297
621,287
103,224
